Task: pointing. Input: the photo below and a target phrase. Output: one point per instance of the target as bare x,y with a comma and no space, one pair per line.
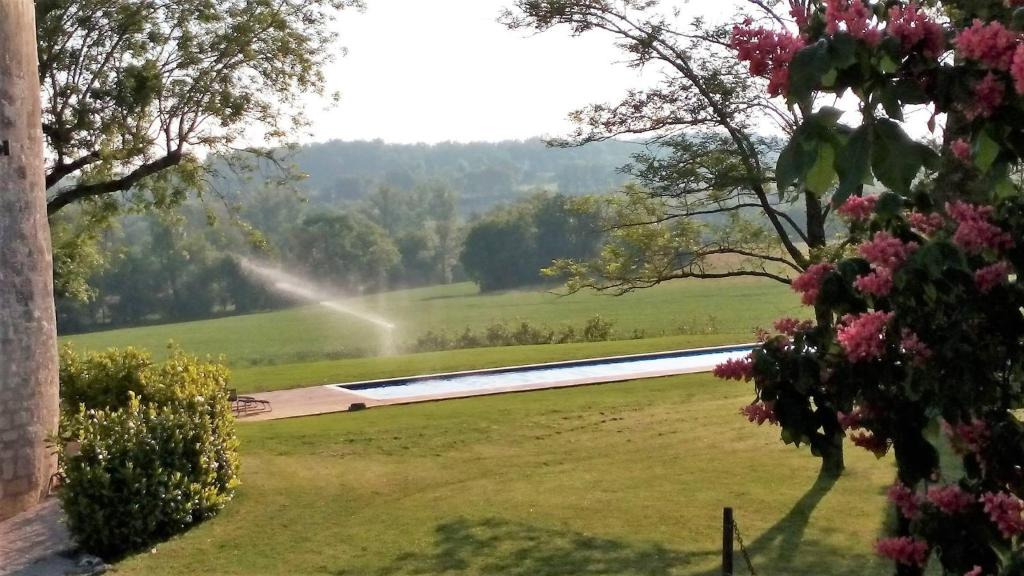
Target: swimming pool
591,371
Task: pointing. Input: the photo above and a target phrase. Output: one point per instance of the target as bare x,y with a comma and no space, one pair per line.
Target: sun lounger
247,405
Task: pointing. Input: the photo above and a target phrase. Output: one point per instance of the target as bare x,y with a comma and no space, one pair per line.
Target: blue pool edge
405,380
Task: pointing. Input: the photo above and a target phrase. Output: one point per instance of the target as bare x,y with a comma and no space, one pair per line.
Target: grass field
618,479
311,333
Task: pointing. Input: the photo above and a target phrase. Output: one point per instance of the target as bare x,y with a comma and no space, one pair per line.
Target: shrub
101,380
148,464
597,329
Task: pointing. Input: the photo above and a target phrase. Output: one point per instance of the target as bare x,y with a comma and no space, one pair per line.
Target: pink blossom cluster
951,499
906,500
852,419
912,27
904,550
809,283
735,369
990,44
878,282
975,232
868,441
798,12
791,326
862,336
858,207
926,223
768,52
967,437
760,412
1017,69
988,96
854,16
913,346
885,250
961,149
991,276
1005,511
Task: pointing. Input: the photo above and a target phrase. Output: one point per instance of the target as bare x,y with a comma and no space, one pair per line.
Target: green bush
148,464
597,329
101,380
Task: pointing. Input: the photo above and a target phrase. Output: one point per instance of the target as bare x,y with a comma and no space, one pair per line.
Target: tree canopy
135,92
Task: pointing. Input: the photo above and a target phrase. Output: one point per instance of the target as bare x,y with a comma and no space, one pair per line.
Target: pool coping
333,398
403,380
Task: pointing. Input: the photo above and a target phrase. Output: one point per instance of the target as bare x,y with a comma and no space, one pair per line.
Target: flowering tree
924,325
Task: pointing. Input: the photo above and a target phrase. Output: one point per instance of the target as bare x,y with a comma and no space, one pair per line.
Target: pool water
551,375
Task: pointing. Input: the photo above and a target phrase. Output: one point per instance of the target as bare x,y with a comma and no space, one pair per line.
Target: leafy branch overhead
135,92
705,158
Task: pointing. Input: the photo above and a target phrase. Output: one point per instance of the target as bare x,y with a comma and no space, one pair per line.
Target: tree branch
63,169
126,182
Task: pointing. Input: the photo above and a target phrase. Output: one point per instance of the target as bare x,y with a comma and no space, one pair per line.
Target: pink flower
975,233
877,283
927,223
991,276
1005,511
852,419
809,283
989,44
768,52
799,14
858,207
862,337
913,346
906,500
886,251
735,369
951,499
988,95
903,550
967,437
855,16
912,26
760,412
791,326
961,149
868,441
1017,69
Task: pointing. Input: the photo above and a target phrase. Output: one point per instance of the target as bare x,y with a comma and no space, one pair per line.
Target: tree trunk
832,461
28,336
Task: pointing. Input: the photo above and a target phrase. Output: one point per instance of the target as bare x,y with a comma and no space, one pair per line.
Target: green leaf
787,167
895,157
891,103
843,50
807,68
985,151
852,164
822,173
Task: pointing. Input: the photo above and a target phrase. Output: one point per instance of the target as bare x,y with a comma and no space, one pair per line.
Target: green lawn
618,479
312,333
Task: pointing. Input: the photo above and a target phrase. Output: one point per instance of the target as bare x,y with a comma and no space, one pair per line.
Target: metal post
727,540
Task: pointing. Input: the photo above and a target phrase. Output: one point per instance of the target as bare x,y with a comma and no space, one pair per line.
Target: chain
743,548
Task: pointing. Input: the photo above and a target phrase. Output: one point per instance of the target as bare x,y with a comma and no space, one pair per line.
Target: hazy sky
436,70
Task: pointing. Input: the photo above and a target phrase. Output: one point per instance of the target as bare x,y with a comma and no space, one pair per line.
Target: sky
445,70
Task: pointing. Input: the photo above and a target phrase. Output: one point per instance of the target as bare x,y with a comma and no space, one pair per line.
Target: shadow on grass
499,547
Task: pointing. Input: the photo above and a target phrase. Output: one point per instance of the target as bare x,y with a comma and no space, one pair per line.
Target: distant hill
483,174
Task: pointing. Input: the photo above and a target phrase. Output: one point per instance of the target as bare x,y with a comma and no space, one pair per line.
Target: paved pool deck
328,399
